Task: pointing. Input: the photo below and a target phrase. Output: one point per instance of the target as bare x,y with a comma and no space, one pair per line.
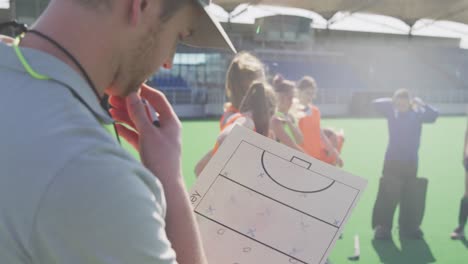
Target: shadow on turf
465,242
411,252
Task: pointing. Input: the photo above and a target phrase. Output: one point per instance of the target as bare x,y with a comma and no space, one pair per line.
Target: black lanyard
102,101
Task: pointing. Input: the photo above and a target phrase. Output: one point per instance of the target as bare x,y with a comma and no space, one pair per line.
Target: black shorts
401,170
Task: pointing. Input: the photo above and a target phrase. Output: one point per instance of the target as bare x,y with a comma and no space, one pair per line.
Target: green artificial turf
363,153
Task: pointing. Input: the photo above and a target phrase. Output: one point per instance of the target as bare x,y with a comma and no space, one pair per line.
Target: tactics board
258,201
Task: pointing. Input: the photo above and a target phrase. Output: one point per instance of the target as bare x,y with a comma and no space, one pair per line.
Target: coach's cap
209,33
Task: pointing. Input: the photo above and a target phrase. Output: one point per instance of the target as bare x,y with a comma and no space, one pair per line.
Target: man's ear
136,9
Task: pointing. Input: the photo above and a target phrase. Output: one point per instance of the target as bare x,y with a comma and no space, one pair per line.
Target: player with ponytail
255,113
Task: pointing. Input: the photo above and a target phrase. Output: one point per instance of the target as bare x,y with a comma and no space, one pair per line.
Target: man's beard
139,66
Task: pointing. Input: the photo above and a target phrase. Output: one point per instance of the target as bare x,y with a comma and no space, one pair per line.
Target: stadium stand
350,67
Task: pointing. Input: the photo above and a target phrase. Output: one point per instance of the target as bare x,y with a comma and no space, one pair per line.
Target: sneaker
382,233
458,234
413,235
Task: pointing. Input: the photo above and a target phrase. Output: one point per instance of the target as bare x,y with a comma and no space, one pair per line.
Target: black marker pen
151,113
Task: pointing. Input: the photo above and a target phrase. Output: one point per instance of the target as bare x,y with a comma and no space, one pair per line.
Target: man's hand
339,162
160,151
283,119
159,147
6,39
419,101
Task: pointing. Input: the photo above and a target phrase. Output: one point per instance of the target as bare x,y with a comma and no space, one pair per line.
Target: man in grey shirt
68,192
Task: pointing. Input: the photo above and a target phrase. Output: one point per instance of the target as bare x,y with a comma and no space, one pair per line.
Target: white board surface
258,201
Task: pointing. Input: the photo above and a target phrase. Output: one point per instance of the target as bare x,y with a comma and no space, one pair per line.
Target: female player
255,113
283,123
244,69
321,144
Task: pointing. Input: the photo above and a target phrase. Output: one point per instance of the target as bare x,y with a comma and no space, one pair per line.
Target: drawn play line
325,176
306,164
273,199
293,190
244,235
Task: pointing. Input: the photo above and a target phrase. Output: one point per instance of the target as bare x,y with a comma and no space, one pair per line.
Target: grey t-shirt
68,192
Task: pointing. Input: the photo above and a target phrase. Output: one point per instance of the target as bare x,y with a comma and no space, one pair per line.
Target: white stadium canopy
439,18
408,11
4,4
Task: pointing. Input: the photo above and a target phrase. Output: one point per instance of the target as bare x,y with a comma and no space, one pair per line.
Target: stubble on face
149,53
139,64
